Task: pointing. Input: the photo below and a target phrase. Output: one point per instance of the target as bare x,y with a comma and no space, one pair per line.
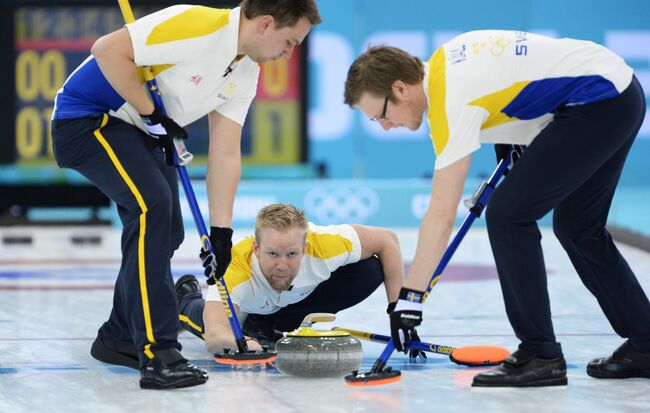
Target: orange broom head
245,358
479,355
377,382
373,379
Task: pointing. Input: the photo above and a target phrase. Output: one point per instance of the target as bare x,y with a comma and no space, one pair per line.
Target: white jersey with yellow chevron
192,51
493,86
328,248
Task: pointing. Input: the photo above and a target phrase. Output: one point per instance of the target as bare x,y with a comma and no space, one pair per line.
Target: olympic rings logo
341,205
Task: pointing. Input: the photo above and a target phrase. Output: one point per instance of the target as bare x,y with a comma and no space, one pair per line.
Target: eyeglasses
383,112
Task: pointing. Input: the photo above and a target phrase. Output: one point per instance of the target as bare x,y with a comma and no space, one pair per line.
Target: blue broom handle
481,200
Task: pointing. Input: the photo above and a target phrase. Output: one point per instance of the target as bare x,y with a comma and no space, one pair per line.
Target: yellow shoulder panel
495,102
239,269
326,246
194,22
157,69
437,114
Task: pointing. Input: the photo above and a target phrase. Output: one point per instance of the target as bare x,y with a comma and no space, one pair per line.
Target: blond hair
280,217
376,70
284,12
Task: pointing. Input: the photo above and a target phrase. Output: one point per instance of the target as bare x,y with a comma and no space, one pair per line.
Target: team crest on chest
227,91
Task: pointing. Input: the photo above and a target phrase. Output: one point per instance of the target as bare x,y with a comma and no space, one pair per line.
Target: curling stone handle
318,318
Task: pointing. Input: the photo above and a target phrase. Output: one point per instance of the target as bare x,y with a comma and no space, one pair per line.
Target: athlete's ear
256,249
399,88
266,22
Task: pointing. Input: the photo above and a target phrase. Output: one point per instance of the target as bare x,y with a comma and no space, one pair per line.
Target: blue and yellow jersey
190,50
494,86
328,248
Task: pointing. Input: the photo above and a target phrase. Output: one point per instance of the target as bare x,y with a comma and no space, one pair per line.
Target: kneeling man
289,269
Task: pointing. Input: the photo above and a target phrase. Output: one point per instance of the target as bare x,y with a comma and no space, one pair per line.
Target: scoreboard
48,41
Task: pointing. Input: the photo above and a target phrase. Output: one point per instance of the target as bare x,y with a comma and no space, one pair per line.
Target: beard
280,284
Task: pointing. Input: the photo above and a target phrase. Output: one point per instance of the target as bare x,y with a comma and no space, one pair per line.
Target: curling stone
307,352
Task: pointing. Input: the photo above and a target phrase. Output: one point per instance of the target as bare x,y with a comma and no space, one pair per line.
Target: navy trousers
571,168
129,168
347,287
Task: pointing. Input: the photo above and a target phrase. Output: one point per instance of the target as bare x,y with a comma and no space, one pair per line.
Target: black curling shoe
625,363
112,352
170,370
524,369
186,285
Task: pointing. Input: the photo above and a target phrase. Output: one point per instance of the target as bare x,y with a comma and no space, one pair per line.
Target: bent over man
106,127
578,107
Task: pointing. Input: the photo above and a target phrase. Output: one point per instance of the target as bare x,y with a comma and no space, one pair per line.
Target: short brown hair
280,217
285,12
375,71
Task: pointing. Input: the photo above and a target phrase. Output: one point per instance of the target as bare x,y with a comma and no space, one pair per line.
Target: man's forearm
437,223
432,241
222,180
393,266
215,343
393,284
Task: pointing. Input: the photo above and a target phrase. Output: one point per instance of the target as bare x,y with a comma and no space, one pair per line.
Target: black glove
215,265
391,307
405,317
413,354
504,150
164,130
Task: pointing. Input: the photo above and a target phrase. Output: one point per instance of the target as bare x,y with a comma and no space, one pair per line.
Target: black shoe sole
157,385
630,374
556,381
184,278
100,352
182,281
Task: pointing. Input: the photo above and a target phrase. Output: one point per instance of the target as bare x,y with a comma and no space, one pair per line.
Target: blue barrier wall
381,202
353,147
